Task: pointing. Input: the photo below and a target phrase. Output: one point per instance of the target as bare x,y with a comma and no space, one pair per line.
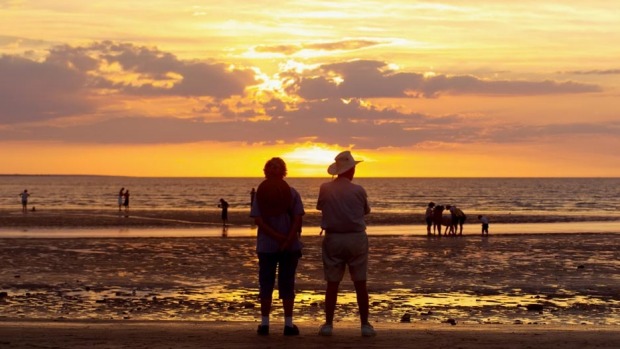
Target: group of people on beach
436,220
277,210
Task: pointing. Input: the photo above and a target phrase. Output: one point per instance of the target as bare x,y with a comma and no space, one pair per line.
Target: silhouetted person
428,216
343,206
277,211
458,218
224,206
126,200
485,224
24,195
252,196
120,199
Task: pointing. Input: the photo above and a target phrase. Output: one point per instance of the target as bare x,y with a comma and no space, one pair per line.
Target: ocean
593,203
535,196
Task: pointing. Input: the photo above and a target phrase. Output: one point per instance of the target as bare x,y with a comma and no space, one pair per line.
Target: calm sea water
535,196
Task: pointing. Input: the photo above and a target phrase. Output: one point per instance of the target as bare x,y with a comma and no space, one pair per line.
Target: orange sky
205,88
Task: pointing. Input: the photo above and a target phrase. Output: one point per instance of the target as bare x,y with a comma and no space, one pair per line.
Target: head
275,168
344,165
479,216
431,204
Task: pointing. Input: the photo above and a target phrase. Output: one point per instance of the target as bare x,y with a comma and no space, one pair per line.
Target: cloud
334,108
163,74
595,72
344,45
69,79
31,91
374,79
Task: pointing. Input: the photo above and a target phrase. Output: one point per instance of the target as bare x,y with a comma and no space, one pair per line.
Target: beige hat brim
333,169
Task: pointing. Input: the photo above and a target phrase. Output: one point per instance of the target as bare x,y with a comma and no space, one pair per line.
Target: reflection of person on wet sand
24,196
277,211
224,206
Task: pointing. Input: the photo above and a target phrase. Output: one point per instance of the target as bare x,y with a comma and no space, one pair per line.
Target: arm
293,233
269,231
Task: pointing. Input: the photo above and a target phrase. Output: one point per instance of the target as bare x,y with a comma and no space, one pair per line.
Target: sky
475,88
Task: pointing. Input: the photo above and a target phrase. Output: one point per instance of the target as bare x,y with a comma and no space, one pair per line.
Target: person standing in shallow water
485,224
24,195
126,200
428,216
277,211
224,206
120,199
343,206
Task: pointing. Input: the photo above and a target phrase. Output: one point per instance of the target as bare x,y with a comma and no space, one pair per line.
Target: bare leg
288,307
331,297
265,306
361,292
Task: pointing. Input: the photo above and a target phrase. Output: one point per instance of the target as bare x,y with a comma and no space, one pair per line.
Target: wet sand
546,291
106,218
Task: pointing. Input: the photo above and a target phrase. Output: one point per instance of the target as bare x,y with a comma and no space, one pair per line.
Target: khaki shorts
340,250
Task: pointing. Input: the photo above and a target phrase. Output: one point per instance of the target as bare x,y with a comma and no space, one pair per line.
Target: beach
241,335
98,290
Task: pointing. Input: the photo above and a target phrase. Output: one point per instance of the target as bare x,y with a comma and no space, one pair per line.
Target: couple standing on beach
278,211
123,199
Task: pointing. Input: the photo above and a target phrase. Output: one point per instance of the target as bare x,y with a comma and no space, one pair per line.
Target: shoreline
237,335
157,218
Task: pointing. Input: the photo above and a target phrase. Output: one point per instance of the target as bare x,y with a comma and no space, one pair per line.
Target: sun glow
312,155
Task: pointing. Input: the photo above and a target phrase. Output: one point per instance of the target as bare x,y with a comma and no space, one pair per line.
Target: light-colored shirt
343,205
281,223
484,220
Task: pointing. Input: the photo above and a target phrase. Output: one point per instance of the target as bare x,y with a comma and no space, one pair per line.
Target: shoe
263,330
368,331
291,331
326,330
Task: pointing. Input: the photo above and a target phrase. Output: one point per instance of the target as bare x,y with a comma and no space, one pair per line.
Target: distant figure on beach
24,195
438,219
343,206
277,212
126,200
120,199
458,219
485,224
429,217
224,206
252,196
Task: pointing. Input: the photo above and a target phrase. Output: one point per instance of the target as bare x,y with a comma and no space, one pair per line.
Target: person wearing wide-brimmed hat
343,206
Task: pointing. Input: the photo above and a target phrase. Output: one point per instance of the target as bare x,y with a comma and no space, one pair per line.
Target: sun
312,155
310,160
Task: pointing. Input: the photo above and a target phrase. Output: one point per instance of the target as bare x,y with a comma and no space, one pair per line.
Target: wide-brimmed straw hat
344,162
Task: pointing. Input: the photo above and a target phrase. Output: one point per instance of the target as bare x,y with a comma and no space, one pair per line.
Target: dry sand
233,335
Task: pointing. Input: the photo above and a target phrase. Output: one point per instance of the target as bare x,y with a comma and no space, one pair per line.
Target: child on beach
485,224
